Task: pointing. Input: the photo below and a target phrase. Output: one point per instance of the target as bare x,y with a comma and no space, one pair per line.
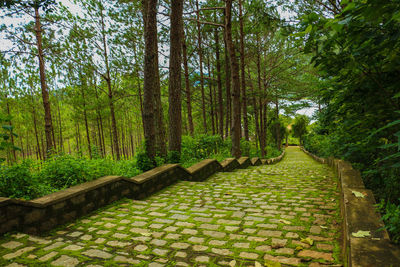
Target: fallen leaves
269,263
284,221
361,233
307,241
358,194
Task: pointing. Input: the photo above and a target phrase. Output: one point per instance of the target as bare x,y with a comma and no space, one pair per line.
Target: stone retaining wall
359,214
43,214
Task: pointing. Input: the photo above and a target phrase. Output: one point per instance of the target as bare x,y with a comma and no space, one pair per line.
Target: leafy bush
143,162
62,171
391,217
18,181
318,144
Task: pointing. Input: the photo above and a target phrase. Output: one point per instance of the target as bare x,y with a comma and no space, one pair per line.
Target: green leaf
308,29
7,127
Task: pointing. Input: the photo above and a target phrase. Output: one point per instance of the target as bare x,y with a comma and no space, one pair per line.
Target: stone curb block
204,169
45,213
359,214
255,161
244,162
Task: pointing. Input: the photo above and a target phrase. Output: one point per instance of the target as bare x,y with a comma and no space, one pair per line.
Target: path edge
358,212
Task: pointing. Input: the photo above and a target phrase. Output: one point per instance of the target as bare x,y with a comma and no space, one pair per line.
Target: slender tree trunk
13,153
138,81
187,84
45,94
236,128
262,131
210,88
85,117
61,143
200,48
174,90
228,94
110,91
219,84
243,77
277,124
253,98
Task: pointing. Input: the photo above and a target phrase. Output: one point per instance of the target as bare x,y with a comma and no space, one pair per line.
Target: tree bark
174,90
13,152
43,84
85,115
210,92
107,77
150,76
219,85
243,77
200,48
236,127
187,84
262,135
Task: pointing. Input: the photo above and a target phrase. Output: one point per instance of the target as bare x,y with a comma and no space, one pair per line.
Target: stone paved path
285,213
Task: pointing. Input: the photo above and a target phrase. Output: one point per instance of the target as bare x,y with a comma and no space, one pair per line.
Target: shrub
143,162
391,217
62,171
18,181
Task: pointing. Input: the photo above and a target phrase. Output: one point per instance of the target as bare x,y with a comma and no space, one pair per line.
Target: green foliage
6,131
391,217
202,147
300,127
173,157
357,53
272,152
17,181
143,162
62,171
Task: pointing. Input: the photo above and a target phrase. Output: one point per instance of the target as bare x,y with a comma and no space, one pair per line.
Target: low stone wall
359,214
42,214
203,169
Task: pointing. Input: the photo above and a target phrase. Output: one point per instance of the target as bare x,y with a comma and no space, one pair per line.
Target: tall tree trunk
174,89
253,98
236,127
107,77
48,124
150,76
228,93
200,48
85,116
61,143
210,88
187,84
13,153
277,124
38,152
138,81
219,85
243,77
262,136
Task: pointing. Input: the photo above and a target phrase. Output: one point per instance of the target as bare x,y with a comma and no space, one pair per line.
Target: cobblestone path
286,213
